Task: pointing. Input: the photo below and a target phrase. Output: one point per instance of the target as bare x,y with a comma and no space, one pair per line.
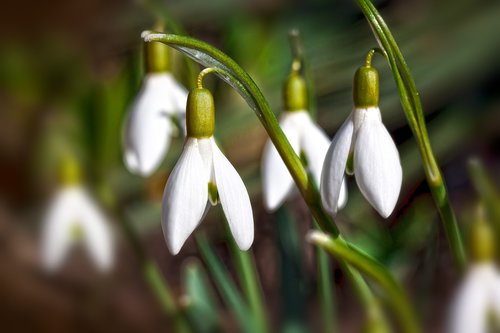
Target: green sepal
200,114
365,92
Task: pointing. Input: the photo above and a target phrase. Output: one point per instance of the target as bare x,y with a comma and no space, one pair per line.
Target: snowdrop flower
73,217
478,297
201,177
154,113
305,137
363,146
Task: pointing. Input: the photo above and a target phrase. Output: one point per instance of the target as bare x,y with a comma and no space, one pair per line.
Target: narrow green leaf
372,268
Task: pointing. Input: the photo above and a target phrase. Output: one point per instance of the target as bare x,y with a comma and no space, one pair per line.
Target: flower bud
200,114
365,90
295,93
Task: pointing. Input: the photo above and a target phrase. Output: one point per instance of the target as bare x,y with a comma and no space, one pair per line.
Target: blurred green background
69,70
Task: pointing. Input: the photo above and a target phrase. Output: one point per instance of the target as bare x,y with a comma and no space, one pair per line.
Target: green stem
410,100
248,277
375,318
225,286
355,257
155,280
325,291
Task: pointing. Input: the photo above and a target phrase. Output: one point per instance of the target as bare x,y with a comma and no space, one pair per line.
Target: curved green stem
355,257
412,106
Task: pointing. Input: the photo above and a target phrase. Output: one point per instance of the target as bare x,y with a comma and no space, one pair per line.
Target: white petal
148,127
343,195
376,164
96,232
470,308
495,293
56,236
277,182
332,176
178,95
179,99
234,199
315,144
185,197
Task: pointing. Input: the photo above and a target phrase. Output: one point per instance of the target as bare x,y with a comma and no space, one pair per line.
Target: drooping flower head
306,138
477,300
75,218
155,114
363,146
202,177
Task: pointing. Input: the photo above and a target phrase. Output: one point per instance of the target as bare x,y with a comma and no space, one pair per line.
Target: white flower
377,167
201,169
478,297
149,124
73,217
305,137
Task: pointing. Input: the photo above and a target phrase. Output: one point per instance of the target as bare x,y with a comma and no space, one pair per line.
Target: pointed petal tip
244,242
271,204
174,247
133,165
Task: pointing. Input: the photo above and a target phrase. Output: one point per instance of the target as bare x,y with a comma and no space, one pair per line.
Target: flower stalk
412,106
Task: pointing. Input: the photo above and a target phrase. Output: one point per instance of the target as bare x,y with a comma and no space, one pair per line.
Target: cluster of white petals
149,125
186,198
304,137
477,300
74,217
377,167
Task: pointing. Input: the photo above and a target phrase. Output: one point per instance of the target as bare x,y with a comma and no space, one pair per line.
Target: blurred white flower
74,217
305,137
202,175
150,122
477,300
377,167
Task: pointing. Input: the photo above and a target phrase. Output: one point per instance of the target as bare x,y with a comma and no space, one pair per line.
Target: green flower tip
365,87
200,114
481,238
295,93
